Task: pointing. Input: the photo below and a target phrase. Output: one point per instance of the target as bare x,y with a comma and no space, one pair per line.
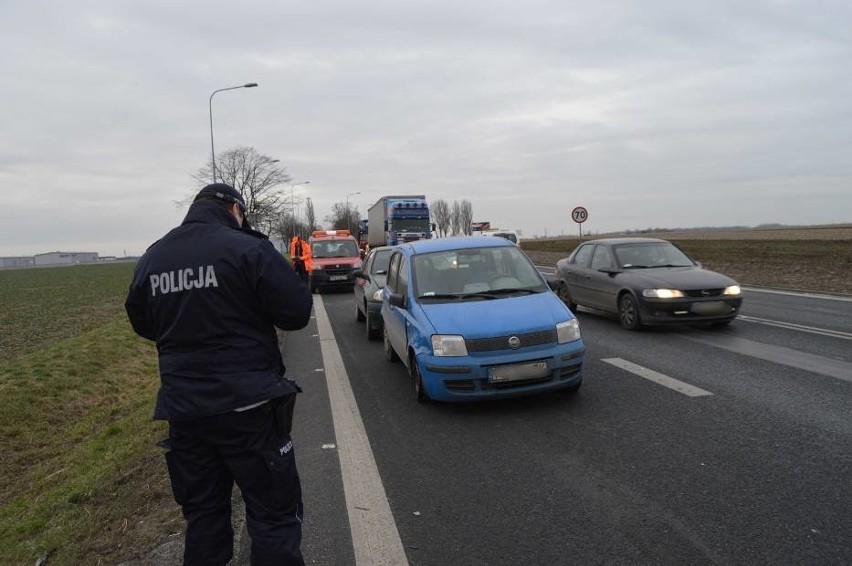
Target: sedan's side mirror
397,300
360,275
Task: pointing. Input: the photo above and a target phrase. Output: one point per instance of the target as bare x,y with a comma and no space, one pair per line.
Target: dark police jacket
211,295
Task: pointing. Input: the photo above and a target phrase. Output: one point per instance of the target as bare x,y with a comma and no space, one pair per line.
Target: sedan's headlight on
732,290
568,331
448,345
662,293
377,296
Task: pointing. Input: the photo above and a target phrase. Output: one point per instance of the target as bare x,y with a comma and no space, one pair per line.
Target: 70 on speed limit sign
579,214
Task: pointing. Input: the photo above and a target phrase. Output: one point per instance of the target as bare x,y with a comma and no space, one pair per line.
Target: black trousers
207,456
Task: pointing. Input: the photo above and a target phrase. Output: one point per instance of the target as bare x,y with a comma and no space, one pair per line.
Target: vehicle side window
581,257
393,271
601,258
380,262
402,277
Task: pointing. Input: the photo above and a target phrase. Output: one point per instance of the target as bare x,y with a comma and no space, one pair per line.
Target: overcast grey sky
648,113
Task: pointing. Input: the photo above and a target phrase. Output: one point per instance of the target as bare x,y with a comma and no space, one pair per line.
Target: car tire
359,316
420,394
628,312
373,333
390,354
562,293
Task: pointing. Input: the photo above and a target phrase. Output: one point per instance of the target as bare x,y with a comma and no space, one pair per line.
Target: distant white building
66,258
17,261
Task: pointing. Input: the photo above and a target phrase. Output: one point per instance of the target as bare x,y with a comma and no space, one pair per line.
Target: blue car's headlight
448,345
568,331
732,290
662,293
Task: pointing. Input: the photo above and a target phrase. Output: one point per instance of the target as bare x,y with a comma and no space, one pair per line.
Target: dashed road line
800,327
658,378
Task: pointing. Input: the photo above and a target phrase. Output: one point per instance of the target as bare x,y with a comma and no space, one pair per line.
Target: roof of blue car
454,243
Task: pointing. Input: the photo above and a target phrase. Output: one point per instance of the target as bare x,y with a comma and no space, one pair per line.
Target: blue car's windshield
476,274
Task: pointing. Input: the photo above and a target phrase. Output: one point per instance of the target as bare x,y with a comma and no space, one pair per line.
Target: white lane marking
804,294
375,537
800,327
785,356
659,378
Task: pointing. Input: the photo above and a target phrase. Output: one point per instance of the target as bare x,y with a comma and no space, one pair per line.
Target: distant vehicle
335,257
510,235
393,220
362,234
472,318
369,283
484,229
646,281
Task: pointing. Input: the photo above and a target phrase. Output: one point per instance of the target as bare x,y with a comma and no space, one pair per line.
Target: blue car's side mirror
397,300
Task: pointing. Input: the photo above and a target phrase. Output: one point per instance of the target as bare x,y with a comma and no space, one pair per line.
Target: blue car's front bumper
466,378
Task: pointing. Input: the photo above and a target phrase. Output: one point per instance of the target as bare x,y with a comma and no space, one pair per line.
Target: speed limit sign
580,214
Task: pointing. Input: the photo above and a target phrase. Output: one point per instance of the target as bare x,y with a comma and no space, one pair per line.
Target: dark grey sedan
369,283
645,281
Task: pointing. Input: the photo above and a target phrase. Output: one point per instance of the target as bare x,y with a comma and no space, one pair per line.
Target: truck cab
335,256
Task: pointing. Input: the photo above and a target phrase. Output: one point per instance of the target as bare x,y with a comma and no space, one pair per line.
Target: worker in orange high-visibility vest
300,253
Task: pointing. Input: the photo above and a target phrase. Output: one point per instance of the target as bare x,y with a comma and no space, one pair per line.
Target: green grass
77,390
41,306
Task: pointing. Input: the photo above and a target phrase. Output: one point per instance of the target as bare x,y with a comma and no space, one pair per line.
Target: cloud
649,114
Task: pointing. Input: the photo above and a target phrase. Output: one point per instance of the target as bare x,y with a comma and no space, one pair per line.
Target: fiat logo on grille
514,342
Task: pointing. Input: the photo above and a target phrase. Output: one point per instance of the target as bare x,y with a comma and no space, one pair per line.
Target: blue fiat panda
472,318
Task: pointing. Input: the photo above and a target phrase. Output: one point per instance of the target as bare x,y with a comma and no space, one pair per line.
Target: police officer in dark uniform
210,293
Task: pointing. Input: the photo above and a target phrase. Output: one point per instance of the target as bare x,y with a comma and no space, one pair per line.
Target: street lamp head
249,85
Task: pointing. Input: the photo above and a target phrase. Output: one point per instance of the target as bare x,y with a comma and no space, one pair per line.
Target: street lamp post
293,201
210,104
348,213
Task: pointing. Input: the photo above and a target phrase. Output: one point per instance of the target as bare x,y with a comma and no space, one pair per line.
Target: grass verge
83,482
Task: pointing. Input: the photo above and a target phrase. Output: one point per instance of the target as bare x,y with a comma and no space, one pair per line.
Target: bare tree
466,217
455,218
310,216
343,216
441,216
256,176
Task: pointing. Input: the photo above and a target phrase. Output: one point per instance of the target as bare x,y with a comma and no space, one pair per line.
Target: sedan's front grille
699,293
502,342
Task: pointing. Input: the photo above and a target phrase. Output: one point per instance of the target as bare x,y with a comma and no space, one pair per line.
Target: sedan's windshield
481,273
650,254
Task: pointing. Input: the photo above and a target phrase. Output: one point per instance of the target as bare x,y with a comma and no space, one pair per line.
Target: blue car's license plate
517,372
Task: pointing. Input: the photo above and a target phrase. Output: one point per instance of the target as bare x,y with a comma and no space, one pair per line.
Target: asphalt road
688,445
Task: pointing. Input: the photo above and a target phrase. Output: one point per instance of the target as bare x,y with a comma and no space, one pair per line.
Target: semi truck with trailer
397,219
